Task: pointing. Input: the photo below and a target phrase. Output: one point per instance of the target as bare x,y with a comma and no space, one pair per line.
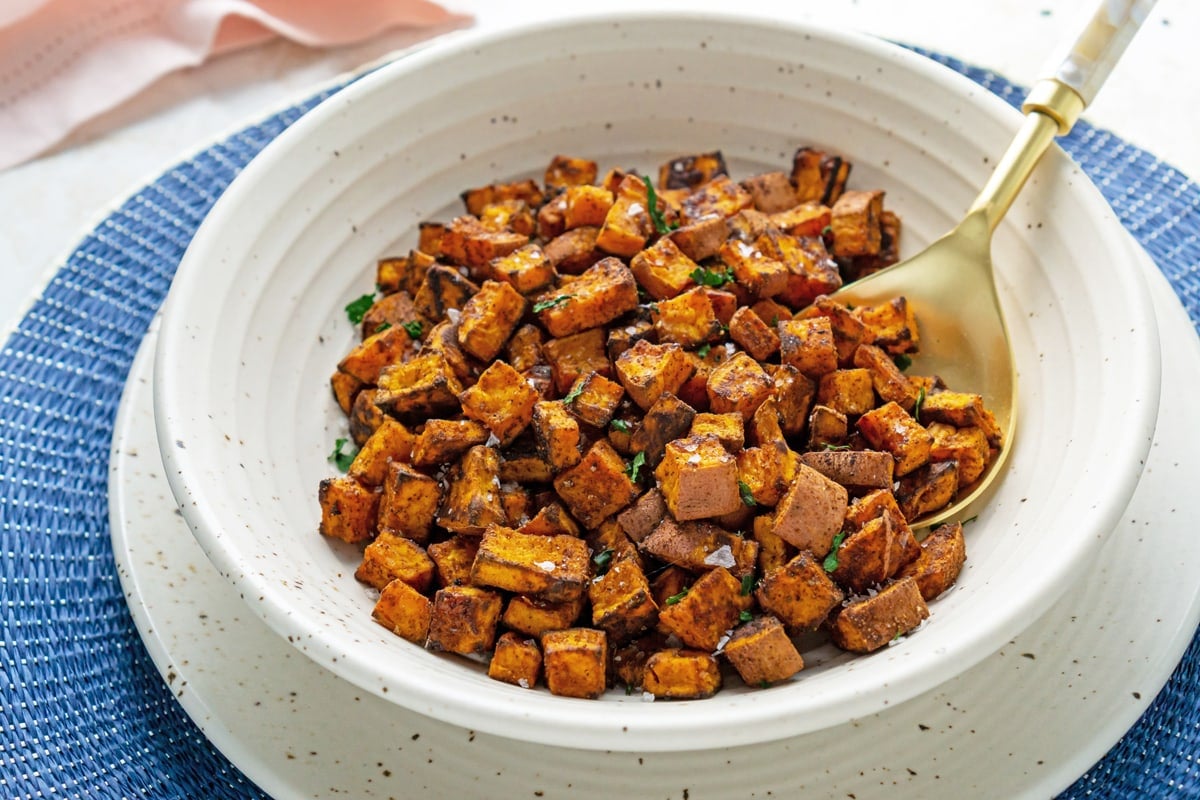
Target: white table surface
47,205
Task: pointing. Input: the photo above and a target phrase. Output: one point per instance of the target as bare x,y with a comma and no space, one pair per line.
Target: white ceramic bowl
254,325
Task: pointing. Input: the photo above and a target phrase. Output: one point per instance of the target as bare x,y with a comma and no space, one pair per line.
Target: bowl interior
255,325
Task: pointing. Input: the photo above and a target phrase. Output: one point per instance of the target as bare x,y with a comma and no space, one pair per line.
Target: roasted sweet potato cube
762,653
611,537
558,437
569,171
943,553
629,660
679,674
892,325
698,478
643,516
849,391
453,558
811,512
390,442
927,489
692,171
573,357
827,428
889,249
755,271
663,270
773,551
764,427
391,310
423,386
708,609
348,509
687,319
443,288
752,334
345,388
473,499
627,226
572,252
598,296
880,502
809,346
555,568
729,428
623,337
596,487
395,273
476,199
966,446
725,303
365,415
508,216
856,224
429,236
524,348
771,191
869,623
552,519
697,547
586,206
379,351
812,272
747,225
534,616
391,557
700,238
596,400
806,219
806,174
889,382
794,393
740,386
404,611
473,244
463,620
857,470
622,605
647,370
890,428
874,553
848,331
766,472
488,318
575,661
501,400
962,410
527,269
799,593
668,419
516,660
516,502
442,441
409,502
442,340
719,196
525,467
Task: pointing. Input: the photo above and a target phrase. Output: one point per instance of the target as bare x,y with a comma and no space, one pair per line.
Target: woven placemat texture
84,713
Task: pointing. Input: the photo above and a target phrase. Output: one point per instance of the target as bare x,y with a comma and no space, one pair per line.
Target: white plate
1026,721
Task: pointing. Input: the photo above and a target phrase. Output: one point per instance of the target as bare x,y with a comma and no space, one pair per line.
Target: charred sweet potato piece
596,399
425,385
720,196
700,238
511,216
601,294
762,653
488,318
597,487
869,623
463,620
534,616
927,489
348,509
807,176
527,269
888,381
409,502
688,319
827,428
443,288
943,553
811,512
668,419
390,442
663,270
874,553
365,416
891,429
345,389
692,171
849,391
699,546
402,273
857,470
443,441
729,428
755,271
968,447
643,516
794,393
472,501
558,437
809,346
892,326
757,338
390,557
476,199
516,660
586,206
709,608
808,219
812,272
856,224
622,605
569,171
962,410
648,370
573,357
554,568
627,225
766,472
377,352
552,519
390,311
404,611
679,674
698,478
575,661
848,331
799,593
771,191
740,385
773,551
501,400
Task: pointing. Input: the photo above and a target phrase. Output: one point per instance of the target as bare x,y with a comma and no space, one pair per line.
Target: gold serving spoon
951,285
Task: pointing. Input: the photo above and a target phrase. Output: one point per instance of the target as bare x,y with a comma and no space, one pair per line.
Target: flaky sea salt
721,557
548,566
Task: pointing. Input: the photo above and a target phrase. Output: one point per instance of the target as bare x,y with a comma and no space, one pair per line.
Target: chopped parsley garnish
831,560
357,309
969,520
620,425
656,216
413,329
628,689
747,495
764,684
703,350
553,302
715,278
920,402
572,395
832,446
602,559
675,598
827,230
903,362
383,326
745,616
747,584
636,464
341,458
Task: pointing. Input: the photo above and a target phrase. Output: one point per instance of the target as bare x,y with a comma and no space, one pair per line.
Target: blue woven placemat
84,713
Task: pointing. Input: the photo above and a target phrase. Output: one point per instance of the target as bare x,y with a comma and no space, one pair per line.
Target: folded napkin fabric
63,62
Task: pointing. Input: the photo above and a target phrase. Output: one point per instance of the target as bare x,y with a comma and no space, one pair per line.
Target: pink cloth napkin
63,62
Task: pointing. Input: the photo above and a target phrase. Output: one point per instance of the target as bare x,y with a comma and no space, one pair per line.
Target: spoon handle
1094,53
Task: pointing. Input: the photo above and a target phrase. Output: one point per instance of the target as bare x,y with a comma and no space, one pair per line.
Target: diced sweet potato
409,502
889,249
524,349
601,294
627,225
718,196
554,568
643,516
552,519
391,310
889,382
557,433
892,325
586,205
773,551
874,553
668,419
806,174
426,385
525,467
943,553
771,191
443,288
501,400
962,410
473,499
575,661
811,512
516,660
622,605
488,318
376,353
700,238
534,616
927,489
687,319
504,216
729,428
812,272
762,653
799,593
365,416
809,346
692,171
794,393
596,399
966,446
698,478
463,620
747,225
848,331
348,509
476,199
647,370
345,388
442,340
663,270
806,219
453,558
399,273
443,441
766,472
740,385
870,623
527,269
390,442
856,224
754,336
404,611
857,470
679,674
573,357
570,171
390,557
849,391
572,252
596,487
699,546
890,428
629,660
708,609
760,274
